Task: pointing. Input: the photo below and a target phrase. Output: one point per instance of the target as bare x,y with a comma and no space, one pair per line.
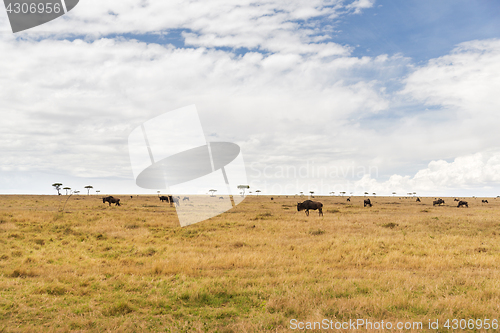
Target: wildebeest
272,198
131,197
456,199
367,202
185,198
221,197
348,199
418,200
308,204
438,202
462,203
484,201
111,200
169,198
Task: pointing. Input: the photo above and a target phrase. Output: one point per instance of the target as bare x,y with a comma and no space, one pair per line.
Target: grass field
254,268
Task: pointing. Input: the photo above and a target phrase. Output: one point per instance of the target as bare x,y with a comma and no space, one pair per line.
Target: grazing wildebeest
272,198
171,199
348,199
166,198
131,197
185,198
456,199
221,197
462,203
367,202
438,202
418,200
484,201
308,204
111,200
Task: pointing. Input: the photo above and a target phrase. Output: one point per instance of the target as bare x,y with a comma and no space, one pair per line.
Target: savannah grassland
251,269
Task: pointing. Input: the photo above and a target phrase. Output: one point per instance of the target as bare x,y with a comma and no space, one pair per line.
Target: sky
321,95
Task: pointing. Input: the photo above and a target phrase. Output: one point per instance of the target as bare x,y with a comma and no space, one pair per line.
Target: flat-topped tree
67,189
212,191
242,188
57,186
258,191
88,187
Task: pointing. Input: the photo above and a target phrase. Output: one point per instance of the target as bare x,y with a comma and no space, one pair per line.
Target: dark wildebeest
272,198
111,200
456,199
131,197
418,200
438,202
462,203
185,198
167,198
367,202
308,204
484,201
221,197
348,199
170,199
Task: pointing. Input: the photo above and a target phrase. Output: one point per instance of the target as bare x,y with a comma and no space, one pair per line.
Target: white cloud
476,171
359,5
83,97
266,25
466,80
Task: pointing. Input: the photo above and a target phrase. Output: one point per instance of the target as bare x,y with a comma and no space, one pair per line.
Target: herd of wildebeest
306,205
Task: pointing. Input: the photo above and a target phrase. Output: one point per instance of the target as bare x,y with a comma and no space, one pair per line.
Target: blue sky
406,88
420,29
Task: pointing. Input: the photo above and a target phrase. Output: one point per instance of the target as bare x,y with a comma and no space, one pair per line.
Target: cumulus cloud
474,171
84,97
466,80
264,25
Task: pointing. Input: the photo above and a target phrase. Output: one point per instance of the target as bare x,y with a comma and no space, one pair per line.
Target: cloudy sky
321,95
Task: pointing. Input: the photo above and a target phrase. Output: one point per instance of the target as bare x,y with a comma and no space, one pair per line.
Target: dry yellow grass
251,269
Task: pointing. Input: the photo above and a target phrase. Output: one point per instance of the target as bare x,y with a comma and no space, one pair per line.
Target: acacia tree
212,192
67,189
242,188
57,186
258,191
88,187
393,193
312,192
342,193
366,193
